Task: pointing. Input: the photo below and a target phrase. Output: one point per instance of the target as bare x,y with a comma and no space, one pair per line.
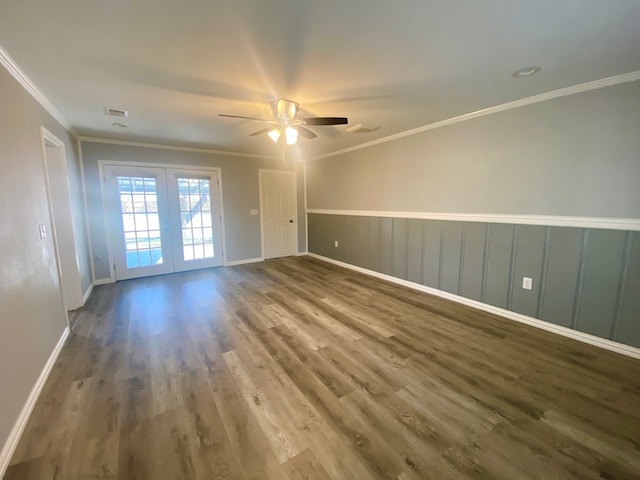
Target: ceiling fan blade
261,131
243,117
325,121
305,132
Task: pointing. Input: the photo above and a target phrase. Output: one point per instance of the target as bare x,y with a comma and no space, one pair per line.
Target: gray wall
31,311
573,156
585,279
577,156
240,192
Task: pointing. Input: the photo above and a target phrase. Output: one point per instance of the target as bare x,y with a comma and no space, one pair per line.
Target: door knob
290,221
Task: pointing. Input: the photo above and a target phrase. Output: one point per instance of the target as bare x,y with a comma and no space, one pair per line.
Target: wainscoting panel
498,269
414,250
529,252
400,257
473,258
585,279
628,327
562,267
602,259
451,255
431,253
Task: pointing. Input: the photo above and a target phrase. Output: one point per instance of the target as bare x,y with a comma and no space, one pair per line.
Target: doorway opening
62,228
163,220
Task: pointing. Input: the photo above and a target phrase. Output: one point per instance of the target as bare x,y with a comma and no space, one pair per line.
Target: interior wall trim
7,62
86,295
628,224
172,147
534,322
562,92
21,422
243,261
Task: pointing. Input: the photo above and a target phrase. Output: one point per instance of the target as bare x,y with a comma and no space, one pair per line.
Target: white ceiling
176,64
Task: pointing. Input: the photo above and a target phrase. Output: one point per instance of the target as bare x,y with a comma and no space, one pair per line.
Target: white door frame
293,174
66,254
121,163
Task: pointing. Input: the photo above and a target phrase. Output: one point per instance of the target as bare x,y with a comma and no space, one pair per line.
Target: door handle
290,221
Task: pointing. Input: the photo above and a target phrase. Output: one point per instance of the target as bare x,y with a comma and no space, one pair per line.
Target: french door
162,220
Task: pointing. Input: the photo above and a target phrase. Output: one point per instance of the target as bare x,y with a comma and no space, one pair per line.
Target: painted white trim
627,224
21,422
26,83
72,286
175,166
534,322
104,281
562,92
85,297
173,147
301,254
244,261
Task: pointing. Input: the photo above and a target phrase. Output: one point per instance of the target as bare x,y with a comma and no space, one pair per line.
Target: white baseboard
104,281
85,297
518,317
16,432
301,254
243,261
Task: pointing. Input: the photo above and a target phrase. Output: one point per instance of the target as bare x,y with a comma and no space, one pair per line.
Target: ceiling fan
284,121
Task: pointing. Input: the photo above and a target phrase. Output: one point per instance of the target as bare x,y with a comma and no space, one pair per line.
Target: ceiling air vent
116,112
363,128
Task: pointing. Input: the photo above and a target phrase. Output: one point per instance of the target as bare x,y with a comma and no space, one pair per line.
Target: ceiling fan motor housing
284,110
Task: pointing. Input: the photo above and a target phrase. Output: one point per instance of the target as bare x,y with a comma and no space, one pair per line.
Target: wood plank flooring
298,369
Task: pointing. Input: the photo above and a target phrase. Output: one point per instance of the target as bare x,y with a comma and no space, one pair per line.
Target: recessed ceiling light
526,72
119,125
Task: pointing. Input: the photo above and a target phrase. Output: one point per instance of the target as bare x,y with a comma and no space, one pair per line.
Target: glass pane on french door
138,219
197,228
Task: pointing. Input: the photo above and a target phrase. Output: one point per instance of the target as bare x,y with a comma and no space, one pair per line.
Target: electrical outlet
335,244
527,283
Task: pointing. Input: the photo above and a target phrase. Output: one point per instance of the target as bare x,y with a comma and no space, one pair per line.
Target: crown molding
173,147
543,97
606,223
7,62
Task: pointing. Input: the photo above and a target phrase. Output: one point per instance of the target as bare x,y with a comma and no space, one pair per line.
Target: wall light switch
335,244
254,212
43,231
527,283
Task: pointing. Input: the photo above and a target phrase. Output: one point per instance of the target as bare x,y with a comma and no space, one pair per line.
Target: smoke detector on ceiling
116,112
363,128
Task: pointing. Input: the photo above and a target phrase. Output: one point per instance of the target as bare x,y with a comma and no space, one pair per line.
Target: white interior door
278,213
196,219
138,221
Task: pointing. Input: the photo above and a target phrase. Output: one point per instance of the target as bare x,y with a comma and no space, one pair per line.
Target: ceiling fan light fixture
274,134
291,134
